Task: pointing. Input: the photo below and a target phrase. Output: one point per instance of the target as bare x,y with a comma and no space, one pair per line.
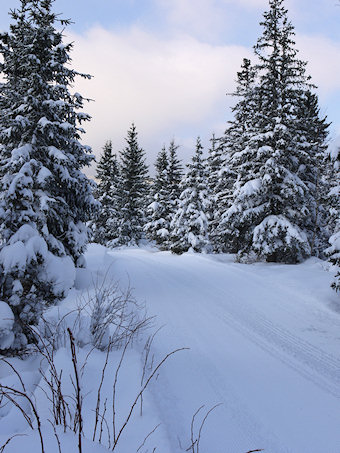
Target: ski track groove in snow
278,341
282,344
291,348
271,309
292,351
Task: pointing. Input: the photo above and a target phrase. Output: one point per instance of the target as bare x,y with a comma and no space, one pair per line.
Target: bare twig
115,391
60,407
147,437
7,392
146,365
77,389
100,389
202,424
195,443
15,372
142,390
103,421
55,435
2,447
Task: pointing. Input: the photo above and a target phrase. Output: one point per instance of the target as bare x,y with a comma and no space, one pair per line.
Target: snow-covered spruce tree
333,252
216,185
233,219
133,192
272,207
220,183
314,170
174,179
165,195
175,174
189,227
45,198
214,165
157,228
105,226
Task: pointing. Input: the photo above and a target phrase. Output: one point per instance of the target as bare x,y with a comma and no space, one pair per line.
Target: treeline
267,190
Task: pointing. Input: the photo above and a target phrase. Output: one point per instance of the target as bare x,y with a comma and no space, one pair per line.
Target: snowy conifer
233,228
175,174
133,191
45,199
214,162
314,170
221,178
272,205
218,185
105,227
157,228
165,195
333,252
189,227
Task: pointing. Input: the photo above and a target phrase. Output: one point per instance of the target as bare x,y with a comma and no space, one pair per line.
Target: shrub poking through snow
104,315
59,400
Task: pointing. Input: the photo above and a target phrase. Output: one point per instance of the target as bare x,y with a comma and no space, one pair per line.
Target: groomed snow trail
264,342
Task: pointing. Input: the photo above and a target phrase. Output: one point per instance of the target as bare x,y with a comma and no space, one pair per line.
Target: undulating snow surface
264,342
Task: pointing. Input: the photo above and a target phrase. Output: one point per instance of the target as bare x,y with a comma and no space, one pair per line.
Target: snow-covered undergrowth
88,372
264,344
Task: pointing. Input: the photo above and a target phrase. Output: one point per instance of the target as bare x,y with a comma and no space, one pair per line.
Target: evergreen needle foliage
157,228
133,191
164,196
333,251
105,226
276,146
45,198
189,227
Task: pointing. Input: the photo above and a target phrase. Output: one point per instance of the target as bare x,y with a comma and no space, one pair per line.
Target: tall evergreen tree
314,170
174,179
219,184
133,191
272,204
333,252
45,199
157,228
165,194
175,174
189,227
105,226
234,220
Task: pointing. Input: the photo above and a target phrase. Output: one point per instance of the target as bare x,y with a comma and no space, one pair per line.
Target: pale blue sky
167,64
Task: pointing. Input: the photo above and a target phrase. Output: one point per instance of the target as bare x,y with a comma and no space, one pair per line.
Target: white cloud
322,55
172,87
168,88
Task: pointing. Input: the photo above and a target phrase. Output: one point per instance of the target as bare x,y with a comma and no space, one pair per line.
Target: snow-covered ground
264,343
